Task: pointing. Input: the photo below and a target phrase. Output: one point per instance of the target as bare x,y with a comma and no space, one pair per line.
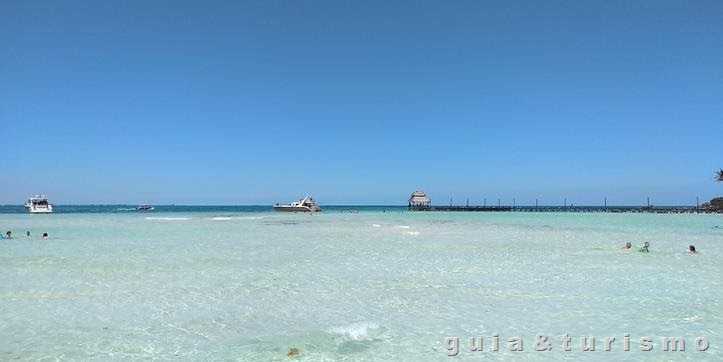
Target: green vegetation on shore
717,202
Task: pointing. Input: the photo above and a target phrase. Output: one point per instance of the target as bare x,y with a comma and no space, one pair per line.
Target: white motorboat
38,204
145,208
307,204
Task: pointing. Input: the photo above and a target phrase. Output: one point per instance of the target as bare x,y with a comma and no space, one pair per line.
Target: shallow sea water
355,286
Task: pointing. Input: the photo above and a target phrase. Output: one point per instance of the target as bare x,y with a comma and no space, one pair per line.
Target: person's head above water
628,245
691,249
45,235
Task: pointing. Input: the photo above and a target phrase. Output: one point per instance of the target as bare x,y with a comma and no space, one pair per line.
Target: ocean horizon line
368,206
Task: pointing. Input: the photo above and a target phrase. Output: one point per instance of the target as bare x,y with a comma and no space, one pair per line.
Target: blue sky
361,102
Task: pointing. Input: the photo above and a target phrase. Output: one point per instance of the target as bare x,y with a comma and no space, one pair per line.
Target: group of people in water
9,235
629,246
645,247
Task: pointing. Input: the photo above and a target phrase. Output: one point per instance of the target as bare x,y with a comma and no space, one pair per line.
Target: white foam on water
412,232
226,218
168,218
356,331
376,225
403,226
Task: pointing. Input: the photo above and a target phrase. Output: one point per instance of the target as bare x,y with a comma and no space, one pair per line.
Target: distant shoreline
130,209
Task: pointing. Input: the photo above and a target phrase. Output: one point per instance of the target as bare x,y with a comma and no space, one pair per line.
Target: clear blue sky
361,102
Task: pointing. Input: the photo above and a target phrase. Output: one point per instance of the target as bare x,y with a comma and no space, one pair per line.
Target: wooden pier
460,208
586,209
419,201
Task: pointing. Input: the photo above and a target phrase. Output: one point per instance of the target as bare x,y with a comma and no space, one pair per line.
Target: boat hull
295,208
39,210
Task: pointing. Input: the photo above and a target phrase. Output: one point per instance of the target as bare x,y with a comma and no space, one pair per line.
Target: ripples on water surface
338,286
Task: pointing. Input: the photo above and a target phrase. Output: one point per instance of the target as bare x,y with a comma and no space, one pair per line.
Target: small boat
145,208
38,204
307,204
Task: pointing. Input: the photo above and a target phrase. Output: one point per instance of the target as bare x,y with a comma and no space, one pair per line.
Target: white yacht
307,204
38,204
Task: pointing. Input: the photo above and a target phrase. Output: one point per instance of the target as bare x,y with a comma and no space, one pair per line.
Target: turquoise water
249,285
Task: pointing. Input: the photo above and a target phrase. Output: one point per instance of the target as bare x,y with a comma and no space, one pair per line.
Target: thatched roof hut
419,198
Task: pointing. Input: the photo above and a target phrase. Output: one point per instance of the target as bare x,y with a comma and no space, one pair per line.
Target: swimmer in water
628,245
27,233
644,249
45,235
691,249
8,235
